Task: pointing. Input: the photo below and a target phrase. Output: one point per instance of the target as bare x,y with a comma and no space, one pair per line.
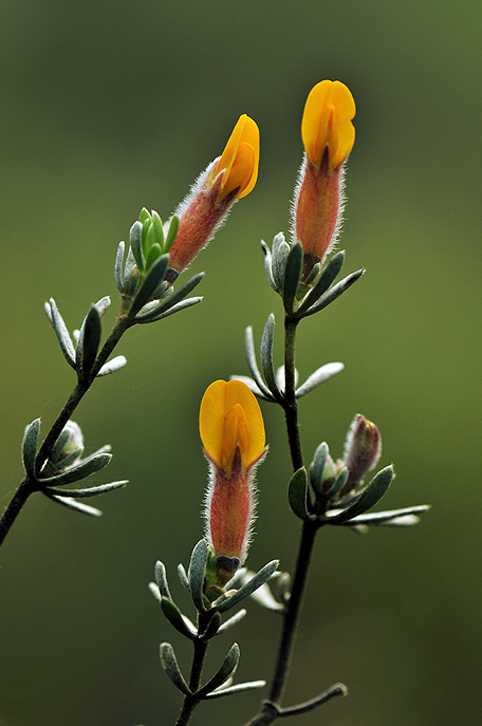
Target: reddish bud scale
318,207
230,511
198,221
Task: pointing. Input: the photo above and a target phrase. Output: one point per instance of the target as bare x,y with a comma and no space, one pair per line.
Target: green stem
190,702
271,709
27,487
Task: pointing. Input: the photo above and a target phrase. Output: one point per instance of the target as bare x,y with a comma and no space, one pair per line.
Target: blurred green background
110,106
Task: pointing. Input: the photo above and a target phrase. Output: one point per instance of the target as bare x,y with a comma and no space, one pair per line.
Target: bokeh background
110,106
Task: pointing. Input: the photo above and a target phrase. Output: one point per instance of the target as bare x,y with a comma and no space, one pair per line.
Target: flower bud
362,450
328,136
228,178
232,432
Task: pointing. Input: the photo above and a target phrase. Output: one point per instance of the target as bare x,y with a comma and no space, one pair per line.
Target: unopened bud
362,449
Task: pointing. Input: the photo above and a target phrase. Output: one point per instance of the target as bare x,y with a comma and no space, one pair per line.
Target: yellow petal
326,122
230,410
240,158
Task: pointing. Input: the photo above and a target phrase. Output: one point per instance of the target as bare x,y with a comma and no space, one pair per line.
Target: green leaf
317,468
135,240
151,281
88,492
261,577
73,504
338,484
318,377
390,516
267,265
212,627
171,232
172,300
298,493
85,468
291,280
253,365
227,669
161,579
119,267
88,343
171,666
328,275
158,230
174,615
232,621
371,496
267,342
153,254
334,293
248,686
279,252
183,576
29,448
196,572
60,328
112,366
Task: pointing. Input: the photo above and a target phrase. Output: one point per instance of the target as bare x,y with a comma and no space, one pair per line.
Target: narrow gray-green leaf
119,267
317,468
298,493
175,309
60,444
60,328
112,366
324,281
232,621
171,666
388,516
334,292
73,504
263,595
29,447
151,281
280,251
267,265
252,363
339,483
161,579
88,343
212,627
292,274
174,615
318,377
85,468
227,669
248,686
261,577
173,299
196,572
135,239
181,572
88,492
267,366
372,494
103,304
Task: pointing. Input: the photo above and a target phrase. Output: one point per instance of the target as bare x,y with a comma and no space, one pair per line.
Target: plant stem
270,709
27,487
190,702
24,490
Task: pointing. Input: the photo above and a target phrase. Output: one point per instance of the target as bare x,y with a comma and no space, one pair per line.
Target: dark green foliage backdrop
109,106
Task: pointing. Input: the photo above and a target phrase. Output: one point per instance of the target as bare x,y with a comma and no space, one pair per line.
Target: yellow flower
327,122
230,418
240,159
226,179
